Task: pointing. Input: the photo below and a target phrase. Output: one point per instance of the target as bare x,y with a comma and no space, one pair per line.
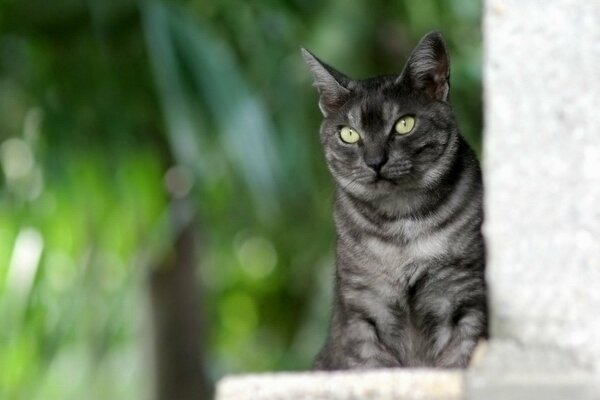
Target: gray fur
410,257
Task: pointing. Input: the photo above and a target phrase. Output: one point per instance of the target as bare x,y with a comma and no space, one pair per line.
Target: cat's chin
381,187
392,181
380,181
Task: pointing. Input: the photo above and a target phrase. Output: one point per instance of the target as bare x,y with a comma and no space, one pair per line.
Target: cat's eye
405,125
349,135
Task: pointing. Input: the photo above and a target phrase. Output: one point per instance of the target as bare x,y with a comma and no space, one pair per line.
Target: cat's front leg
362,346
466,332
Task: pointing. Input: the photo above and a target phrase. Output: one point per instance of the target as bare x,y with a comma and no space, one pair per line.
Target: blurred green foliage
109,108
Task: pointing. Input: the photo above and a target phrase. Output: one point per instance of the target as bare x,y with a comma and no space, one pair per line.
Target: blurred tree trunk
175,297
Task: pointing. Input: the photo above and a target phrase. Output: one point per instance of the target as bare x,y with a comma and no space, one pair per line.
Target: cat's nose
376,162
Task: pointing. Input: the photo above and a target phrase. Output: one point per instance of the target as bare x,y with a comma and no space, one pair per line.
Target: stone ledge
505,369
386,384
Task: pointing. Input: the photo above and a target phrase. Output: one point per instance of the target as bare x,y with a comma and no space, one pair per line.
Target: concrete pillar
542,176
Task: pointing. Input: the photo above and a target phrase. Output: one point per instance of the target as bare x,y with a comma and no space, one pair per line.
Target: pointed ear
332,84
428,68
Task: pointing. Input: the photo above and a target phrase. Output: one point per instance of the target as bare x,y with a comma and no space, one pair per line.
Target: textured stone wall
542,176
542,172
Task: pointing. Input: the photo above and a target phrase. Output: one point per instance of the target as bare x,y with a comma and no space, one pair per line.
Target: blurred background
165,211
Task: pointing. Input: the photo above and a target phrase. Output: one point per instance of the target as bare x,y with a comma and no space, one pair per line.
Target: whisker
349,183
353,180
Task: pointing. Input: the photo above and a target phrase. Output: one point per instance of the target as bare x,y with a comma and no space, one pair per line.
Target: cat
410,256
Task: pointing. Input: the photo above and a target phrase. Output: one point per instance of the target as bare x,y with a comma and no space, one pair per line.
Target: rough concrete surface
542,177
542,173
508,370
350,385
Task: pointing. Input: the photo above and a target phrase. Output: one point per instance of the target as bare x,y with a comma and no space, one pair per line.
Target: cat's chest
390,257
387,257
378,273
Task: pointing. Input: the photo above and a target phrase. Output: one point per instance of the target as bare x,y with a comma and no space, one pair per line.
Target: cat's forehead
373,112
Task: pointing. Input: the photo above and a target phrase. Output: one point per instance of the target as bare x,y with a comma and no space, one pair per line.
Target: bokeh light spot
17,158
238,313
179,181
257,256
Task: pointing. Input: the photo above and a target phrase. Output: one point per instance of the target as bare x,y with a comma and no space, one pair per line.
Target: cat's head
389,133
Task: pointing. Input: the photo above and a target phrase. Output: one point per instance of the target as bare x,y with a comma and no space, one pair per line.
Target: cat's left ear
428,68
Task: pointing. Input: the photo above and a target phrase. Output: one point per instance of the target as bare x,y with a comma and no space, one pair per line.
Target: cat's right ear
331,84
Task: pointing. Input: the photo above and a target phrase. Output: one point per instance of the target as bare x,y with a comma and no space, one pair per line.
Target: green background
115,114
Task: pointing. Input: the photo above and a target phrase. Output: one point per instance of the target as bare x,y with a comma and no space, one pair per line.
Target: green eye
349,135
405,125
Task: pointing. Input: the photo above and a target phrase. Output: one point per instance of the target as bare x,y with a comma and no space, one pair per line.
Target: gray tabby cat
409,288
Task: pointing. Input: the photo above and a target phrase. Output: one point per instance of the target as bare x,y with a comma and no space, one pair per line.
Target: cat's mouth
386,181
393,177
381,179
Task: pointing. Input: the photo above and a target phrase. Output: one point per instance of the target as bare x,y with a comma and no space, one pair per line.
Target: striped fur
410,257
